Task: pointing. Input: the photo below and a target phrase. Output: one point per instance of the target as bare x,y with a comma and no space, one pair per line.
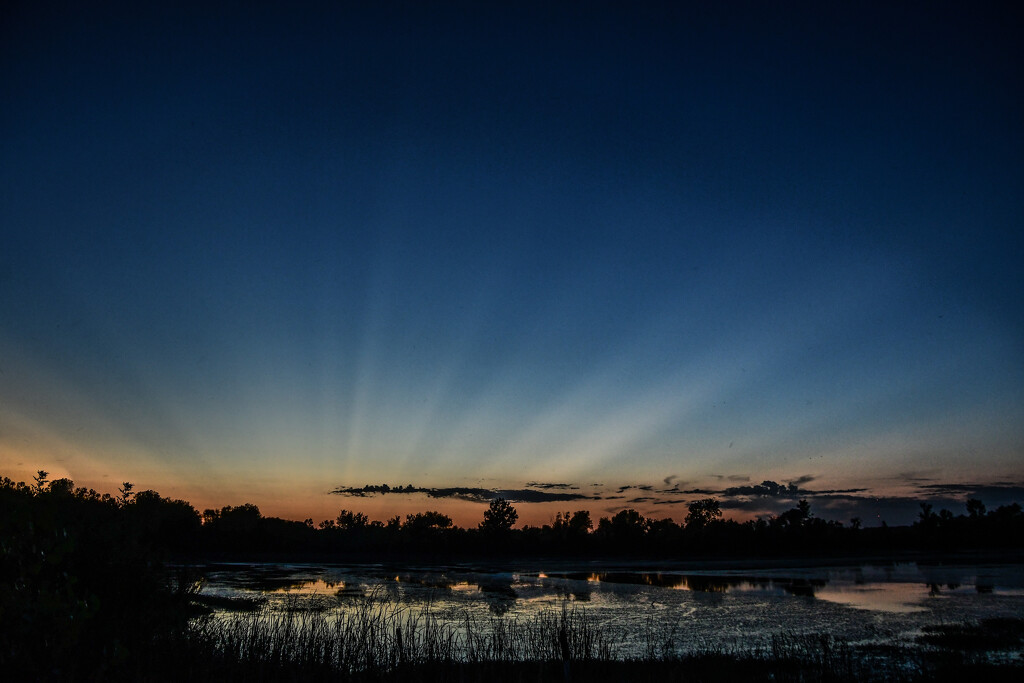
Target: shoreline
611,563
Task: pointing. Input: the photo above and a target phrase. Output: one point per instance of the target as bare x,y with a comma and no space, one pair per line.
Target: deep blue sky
256,254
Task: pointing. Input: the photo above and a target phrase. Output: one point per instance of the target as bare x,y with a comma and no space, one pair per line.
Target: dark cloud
873,510
964,488
790,491
916,476
766,489
777,505
906,509
673,482
528,496
848,494
843,505
641,499
753,505
990,494
462,493
784,502
547,487
476,495
639,487
371,489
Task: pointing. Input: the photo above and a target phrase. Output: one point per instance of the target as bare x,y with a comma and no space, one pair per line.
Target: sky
581,255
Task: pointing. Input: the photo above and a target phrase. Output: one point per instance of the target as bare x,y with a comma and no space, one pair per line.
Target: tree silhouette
580,522
574,524
702,512
424,521
627,527
795,517
40,480
126,494
499,517
926,515
61,487
347,520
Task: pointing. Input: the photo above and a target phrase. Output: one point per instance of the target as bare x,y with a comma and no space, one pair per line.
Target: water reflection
898,598
703,583
499,595
852,600
264,578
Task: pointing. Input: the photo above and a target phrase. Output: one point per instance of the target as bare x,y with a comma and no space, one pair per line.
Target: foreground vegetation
384,642
86,595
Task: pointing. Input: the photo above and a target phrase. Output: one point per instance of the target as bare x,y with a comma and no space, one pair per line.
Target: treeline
175,528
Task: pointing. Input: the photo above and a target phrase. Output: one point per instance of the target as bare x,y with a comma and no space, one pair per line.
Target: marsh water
693,608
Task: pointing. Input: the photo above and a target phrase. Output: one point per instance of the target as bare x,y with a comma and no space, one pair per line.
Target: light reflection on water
866,603
883,597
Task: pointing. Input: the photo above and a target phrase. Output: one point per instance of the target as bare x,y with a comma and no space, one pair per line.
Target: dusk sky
275,254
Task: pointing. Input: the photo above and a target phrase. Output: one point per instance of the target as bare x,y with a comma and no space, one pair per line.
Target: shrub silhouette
85,596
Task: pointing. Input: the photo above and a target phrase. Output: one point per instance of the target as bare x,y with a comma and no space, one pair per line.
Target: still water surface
699,608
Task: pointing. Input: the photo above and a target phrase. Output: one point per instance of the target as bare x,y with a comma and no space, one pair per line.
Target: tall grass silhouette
381,640
381,636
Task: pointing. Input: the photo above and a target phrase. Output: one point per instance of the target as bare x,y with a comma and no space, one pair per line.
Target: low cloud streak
476,495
